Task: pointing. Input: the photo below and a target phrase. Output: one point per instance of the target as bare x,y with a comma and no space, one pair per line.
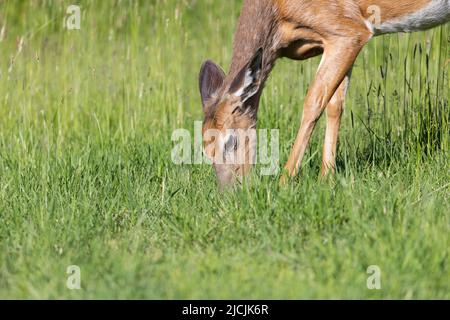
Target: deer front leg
337,60
335,109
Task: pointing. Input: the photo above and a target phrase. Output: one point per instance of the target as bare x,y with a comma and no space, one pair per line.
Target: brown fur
300,29
392,9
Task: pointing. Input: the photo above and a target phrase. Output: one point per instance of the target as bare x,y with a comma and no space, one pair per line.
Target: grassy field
86,177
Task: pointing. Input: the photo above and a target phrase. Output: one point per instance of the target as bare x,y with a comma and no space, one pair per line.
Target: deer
268,30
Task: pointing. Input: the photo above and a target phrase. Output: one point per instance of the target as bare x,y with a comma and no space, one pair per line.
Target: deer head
229,136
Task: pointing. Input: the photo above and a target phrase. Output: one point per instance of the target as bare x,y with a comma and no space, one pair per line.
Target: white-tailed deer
299,29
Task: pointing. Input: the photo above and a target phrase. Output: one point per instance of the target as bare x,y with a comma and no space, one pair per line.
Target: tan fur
392,9
300,29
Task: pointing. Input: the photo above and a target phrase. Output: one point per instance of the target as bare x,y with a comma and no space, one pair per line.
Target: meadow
86,177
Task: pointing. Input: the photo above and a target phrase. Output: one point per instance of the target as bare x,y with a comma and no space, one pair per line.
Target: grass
86,118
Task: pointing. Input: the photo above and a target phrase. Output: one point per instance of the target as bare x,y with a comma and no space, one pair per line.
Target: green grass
86,176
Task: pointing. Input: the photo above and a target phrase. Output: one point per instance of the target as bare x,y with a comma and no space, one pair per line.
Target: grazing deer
299,29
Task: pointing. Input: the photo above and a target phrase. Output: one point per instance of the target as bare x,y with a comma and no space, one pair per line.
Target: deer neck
257,28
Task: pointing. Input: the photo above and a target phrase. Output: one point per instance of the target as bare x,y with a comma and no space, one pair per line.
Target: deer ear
210,80
247,82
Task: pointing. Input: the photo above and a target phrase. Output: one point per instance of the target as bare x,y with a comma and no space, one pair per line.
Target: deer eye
231,144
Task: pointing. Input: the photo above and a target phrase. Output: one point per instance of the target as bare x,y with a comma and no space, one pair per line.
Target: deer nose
225,176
